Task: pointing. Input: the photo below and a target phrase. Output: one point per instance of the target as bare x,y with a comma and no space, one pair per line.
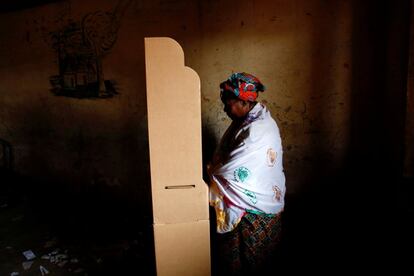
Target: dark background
90,189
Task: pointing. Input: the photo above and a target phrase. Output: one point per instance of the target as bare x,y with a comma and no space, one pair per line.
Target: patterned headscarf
245,86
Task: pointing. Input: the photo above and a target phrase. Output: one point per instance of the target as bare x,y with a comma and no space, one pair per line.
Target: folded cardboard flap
180,203
183,248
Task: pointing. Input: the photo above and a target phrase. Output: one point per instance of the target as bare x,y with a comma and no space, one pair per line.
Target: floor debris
29,255
27,265
43,270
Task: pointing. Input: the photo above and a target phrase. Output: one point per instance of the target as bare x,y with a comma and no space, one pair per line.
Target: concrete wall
303,51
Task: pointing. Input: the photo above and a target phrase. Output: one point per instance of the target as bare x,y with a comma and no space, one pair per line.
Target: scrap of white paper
43,270
29,255
27,265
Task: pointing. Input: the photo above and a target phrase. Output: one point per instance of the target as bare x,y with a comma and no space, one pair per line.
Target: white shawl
247,171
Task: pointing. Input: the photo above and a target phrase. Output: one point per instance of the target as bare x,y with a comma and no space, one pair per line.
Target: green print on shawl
251,195
241,174
260,213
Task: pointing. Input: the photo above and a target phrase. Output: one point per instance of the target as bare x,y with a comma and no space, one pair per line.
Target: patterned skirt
250,247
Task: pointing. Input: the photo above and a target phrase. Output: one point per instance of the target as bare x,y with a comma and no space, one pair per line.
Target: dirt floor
70,235
92,233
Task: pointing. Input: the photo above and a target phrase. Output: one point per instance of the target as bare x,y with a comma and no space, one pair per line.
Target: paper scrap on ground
43,270
29,255
27,265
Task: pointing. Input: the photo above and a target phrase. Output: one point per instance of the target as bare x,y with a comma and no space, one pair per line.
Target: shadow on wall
7,189
209,145
380,58
6,155
329,72
369,137
356,206
10,6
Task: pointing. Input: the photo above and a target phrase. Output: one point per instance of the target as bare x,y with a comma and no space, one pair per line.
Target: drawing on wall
80,48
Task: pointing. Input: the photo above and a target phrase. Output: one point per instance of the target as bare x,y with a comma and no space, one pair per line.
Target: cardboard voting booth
179,194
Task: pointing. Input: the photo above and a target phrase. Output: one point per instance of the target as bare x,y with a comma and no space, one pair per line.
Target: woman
247,180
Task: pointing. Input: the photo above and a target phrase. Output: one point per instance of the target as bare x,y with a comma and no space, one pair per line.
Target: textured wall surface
301,50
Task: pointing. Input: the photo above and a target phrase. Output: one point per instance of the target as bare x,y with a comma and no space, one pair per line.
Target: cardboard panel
174,124
182,248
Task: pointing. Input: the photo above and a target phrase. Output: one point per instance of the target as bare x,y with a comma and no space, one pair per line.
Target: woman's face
235,108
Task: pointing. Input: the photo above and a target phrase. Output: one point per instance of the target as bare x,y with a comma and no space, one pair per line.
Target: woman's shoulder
263,130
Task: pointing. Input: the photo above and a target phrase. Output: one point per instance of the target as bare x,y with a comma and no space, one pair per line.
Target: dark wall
380,53
335,72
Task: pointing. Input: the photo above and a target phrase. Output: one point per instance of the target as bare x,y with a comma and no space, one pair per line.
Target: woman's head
238,94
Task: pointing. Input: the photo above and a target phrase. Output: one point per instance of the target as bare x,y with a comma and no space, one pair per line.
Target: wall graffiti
80,48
